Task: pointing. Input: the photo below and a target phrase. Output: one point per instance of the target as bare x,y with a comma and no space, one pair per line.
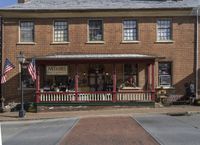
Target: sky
4,3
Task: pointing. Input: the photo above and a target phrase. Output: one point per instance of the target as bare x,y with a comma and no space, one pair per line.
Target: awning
95,57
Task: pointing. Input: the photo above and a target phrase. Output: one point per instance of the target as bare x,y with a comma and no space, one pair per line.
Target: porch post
148,77
152,83
38,84
76,83
114,84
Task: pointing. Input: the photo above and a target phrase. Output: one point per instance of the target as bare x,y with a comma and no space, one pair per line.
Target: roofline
91,9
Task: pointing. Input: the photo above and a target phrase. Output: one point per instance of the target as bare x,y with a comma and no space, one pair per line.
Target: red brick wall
180,52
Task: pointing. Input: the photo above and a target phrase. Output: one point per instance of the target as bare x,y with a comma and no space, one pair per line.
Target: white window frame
60,20
137,33
88,31
171,30
21,21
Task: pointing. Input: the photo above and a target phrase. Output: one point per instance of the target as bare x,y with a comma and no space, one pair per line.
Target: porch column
148,77
152,83
76,83
114,83
37,84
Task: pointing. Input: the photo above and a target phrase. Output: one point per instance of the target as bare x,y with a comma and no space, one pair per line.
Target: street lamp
21,59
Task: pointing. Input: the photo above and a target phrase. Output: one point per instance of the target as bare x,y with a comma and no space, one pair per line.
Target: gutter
197,54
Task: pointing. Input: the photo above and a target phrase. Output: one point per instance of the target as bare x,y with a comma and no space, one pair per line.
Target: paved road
108,131
168,130
44,132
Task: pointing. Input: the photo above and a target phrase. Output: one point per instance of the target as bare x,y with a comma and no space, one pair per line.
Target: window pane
130,30
131,75
27,31
95,30
164,74
60,31
27,80
164,30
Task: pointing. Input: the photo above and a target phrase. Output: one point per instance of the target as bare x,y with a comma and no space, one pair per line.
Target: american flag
3,79
8,66
32,69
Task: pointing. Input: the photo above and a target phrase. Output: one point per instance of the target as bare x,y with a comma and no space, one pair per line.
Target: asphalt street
172,130
44,132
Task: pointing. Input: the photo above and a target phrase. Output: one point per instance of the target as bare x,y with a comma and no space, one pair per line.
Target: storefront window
165,74
130,75
27,80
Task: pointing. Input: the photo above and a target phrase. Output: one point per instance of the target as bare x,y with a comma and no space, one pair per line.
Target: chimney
22,1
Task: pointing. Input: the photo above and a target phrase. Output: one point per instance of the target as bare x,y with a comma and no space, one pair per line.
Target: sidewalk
110,111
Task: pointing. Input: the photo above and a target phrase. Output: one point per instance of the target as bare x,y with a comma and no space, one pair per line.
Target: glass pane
95,30
164,30
130,30
26,31
60,31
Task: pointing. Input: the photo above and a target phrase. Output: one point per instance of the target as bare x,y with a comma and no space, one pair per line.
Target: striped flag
8,66
3,79
32,69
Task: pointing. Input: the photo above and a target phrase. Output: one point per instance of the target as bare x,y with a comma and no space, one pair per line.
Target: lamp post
21,59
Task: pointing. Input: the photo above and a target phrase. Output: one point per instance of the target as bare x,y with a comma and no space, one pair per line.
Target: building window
60,31
164,30
164,74
27,80
130,75
26,31
95,30
130,30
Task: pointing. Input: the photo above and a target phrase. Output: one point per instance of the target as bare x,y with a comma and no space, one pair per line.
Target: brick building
107,51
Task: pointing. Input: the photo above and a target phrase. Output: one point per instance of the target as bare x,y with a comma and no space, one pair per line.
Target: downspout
197,54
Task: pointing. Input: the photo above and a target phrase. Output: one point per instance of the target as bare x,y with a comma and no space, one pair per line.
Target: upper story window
130,30
60,31
95,30
26,31
164,29
164,74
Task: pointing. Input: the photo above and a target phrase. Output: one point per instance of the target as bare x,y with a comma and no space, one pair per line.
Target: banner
57,70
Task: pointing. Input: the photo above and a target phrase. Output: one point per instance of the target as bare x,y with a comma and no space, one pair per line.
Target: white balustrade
134,96
56,97
95,97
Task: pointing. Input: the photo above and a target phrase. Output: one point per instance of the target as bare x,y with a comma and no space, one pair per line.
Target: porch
101,78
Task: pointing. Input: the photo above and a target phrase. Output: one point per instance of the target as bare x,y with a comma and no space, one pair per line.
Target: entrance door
96,77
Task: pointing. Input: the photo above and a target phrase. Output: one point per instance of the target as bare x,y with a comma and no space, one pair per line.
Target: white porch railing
94,96
134,96
57,97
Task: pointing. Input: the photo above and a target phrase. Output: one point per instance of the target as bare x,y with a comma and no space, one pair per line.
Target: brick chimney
22,1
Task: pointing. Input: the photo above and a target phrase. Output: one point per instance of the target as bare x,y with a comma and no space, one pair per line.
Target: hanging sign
57,70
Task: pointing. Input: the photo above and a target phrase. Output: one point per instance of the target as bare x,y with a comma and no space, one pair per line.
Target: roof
94,57
102,4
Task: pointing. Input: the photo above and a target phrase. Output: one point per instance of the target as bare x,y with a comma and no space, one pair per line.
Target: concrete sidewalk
108,111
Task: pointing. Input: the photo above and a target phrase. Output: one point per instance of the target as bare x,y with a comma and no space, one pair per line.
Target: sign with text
57,70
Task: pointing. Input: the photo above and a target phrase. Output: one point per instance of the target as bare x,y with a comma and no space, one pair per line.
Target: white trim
88,30
26,43
95,42
63,42
59,43
166,41
171,20
134,42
